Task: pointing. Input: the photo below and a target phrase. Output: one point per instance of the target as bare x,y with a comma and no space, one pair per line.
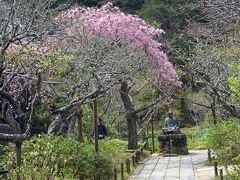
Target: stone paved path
173,168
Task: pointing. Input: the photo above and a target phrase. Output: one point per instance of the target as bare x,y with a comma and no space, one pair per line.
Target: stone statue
170,124
171,140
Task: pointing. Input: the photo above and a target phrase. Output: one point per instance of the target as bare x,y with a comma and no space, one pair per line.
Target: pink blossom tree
108,21
22,24
122,30
121,46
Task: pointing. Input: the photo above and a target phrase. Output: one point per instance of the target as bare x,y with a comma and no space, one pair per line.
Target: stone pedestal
173,143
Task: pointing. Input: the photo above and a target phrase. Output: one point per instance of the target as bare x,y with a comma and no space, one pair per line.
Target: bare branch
146,107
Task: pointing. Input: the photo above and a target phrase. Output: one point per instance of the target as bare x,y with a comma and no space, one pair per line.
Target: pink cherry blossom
108,21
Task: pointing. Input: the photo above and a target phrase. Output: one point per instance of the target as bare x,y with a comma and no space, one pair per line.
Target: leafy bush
114,149
224,139
234,172
51,157
103,168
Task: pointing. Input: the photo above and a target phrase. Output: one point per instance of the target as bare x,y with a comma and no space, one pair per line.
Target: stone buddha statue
170,124
171,140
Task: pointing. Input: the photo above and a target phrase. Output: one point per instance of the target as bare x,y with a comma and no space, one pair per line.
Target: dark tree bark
131,116
132,130
213,109
80,125
6,129
77,118
59,126
72,125
9,117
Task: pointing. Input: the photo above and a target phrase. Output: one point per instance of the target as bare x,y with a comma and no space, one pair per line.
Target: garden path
182,167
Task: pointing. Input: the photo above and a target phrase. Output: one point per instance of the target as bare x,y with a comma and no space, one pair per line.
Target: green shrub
234,171
103,168
224,139
52,157
114,149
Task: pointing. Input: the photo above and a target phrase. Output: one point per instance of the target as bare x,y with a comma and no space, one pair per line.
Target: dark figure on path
170,123
102,131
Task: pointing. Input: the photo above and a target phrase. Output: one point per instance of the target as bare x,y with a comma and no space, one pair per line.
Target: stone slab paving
183,167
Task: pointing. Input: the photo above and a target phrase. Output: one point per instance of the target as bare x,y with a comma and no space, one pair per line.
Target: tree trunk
213,109
132,130
131,116
9,117
80,126
72,125
214,114
2,60
95,125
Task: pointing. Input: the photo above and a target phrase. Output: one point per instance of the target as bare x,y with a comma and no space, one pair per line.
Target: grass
196,137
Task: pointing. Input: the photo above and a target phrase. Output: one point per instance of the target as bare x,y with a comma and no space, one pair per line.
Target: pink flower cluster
109,21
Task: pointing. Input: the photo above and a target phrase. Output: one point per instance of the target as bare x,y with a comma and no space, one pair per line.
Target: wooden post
133,160
147,132
171,145
80,125
80,136
18,157
221,173
95,125
115,174
141,153
152,136
138,156
146,140
128,165
122,171
209,155
215,169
